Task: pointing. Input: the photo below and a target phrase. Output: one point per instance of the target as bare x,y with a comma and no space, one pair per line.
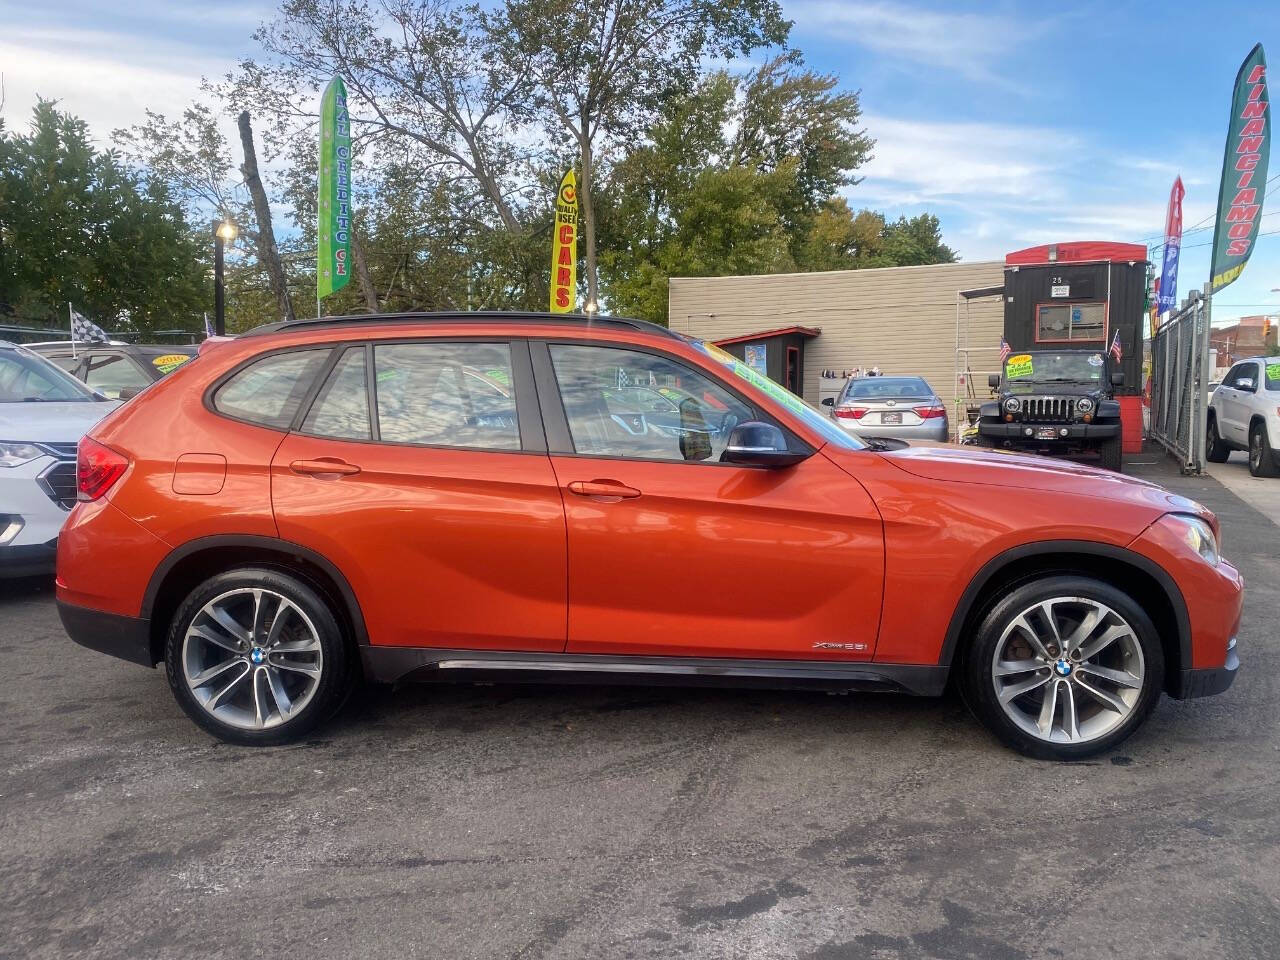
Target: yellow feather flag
564,248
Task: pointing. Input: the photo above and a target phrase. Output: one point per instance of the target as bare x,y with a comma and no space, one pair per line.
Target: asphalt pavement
529,822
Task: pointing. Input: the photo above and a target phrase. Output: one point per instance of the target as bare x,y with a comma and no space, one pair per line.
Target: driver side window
639,406
1242,371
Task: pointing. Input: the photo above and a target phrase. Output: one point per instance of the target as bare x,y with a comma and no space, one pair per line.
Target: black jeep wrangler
1057,402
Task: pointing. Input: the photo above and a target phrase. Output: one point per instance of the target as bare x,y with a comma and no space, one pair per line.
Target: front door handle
606,490
324,467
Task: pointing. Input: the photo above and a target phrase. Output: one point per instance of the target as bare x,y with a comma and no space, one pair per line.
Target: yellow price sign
1019,366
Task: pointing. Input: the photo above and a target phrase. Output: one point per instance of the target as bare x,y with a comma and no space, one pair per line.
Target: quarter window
111,374
1071,321
447,394
270,391
623,403
342,406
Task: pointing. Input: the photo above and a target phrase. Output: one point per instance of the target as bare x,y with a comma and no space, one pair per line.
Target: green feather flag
333,220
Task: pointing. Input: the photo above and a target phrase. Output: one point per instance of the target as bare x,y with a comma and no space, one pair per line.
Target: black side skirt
418,664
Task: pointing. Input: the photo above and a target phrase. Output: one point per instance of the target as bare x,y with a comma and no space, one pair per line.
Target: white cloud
964,43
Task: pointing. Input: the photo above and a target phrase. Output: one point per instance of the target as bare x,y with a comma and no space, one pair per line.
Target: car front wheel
255,656
1064,667
1262,460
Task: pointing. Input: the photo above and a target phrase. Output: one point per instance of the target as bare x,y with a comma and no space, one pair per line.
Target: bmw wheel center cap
1063,668
258,655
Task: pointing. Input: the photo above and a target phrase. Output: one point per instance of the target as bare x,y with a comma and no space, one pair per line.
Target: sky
1015,123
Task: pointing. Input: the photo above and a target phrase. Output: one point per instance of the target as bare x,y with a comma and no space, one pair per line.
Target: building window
1060,322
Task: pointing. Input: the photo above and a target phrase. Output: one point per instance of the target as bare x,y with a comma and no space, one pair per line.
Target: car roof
478,317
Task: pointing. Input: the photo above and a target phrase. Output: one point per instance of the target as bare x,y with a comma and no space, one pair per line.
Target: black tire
333,661
979,686
1262,459
1215,448
1111,454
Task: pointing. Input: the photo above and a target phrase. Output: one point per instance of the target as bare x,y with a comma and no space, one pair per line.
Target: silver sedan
901,407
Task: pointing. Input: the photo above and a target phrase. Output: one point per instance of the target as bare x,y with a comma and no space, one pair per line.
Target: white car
43,414
1244,414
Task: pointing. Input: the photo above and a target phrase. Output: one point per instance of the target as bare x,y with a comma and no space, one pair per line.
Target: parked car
116,370
906,408
1244,414
322,499
43,413
1055,402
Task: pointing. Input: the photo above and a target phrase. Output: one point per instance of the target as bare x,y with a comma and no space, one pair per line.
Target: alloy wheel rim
1255,449
1068,670
252,658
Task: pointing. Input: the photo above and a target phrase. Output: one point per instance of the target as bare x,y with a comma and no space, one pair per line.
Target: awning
780,332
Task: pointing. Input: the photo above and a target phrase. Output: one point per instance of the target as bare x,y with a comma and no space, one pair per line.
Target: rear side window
342,406
446,394
270,391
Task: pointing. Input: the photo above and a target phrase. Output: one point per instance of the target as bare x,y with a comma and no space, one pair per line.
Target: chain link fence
1180,381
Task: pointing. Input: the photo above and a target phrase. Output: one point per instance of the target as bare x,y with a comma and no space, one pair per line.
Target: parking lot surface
503,821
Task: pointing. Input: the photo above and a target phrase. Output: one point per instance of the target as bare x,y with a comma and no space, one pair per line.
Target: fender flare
192,547
1079,547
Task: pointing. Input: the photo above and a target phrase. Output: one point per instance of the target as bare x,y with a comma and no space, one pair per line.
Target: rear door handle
324,467
610,490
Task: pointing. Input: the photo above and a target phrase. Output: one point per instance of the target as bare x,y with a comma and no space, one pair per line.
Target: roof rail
475,316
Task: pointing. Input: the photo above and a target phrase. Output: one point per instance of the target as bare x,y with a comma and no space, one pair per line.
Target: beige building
901,319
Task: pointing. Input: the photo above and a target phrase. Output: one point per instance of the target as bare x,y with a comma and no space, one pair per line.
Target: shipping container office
1076,296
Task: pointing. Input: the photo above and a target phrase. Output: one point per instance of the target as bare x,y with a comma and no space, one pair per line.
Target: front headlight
16,454
1199,536
1013,404
1084,405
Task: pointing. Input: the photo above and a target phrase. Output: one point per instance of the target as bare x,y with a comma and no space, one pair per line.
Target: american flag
1116,352
1004,350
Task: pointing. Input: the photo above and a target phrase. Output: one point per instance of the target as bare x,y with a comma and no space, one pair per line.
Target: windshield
1046,367
777,392
27,378
887,388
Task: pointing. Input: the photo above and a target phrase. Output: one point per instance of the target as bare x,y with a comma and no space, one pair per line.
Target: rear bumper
934,431
1190,684
1075,431
128,638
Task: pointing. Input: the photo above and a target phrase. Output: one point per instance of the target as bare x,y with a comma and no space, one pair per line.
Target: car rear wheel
1064,667
1215,448
1262,460
1111,454
256,656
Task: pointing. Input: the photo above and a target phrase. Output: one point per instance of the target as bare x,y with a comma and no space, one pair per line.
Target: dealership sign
1244,172
1167,297
564,247
333,198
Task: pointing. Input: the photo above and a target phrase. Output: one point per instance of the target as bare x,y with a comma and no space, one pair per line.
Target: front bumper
1190,684
128,638
24,495
27,560
1017,432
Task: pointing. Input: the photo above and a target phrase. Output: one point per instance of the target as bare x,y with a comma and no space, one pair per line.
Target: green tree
77,225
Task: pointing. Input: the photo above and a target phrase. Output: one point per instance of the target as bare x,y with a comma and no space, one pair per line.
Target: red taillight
930,413
851,413
97,468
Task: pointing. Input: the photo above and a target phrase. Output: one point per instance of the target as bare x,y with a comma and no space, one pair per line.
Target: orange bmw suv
524,496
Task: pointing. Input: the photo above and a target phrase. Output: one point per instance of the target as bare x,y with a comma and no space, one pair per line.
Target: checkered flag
85,330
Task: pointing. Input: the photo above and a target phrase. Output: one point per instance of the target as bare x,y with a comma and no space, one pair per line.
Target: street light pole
224,231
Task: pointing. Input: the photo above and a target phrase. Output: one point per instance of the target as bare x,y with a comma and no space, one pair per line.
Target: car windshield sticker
169,362
775,390
1273,371
1018,366
1095,360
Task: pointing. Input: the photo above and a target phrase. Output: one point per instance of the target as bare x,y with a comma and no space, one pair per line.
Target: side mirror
828,401
993,381
1117,379
758,444
1246,384
128,393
